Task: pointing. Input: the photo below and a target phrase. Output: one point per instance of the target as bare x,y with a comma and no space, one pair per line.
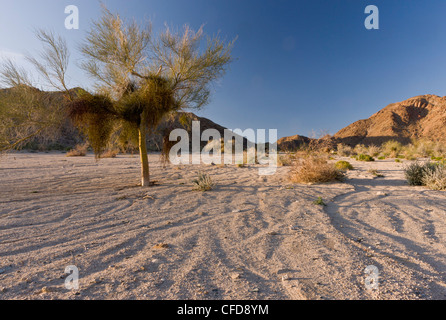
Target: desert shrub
375,173
409,155
111,153
314,169
285,160
409,152
344,150
381,158
373,150
319,201
392,148
360,149
364,157
203,182
79,150
439,149
397,160
425,148
415,172
343,165
435,179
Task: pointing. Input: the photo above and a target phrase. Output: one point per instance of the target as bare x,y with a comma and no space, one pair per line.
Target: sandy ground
249,238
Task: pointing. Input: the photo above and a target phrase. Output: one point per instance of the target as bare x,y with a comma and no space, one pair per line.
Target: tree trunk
145,175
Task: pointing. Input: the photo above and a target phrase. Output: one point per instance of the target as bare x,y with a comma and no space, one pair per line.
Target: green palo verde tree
141,79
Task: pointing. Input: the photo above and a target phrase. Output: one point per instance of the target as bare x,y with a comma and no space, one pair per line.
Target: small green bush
364,157
319,201
343,165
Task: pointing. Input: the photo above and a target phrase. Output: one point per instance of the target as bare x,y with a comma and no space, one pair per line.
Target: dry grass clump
285,160
79,150
392,148
344,150
373,150
435,179
110,153
347,151
435,150
360,149
203,182
375,173
314,169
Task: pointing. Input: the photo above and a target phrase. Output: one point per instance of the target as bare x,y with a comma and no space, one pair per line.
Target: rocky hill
293,143
419,117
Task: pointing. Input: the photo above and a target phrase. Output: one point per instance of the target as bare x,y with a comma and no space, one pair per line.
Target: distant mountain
293,143
419,117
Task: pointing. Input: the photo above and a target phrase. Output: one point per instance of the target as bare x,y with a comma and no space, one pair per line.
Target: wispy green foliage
27,112
364,157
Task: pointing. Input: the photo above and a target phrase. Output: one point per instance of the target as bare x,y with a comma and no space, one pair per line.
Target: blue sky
301,66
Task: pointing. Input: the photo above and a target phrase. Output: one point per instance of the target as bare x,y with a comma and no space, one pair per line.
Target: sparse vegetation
344,150
319,201
364,157
203,182
343,165
110,153
285,160
435,179
392,148
315,169
79,150
375,173
373,150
